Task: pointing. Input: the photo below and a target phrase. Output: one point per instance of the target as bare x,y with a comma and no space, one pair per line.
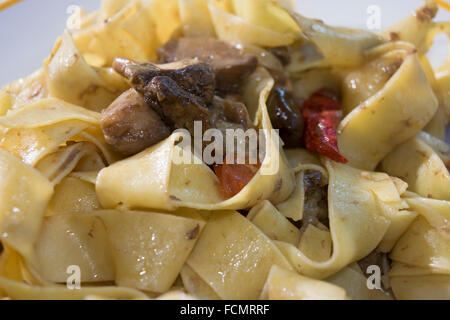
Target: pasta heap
146,227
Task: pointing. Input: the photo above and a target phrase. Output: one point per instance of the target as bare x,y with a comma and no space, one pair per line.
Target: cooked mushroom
229,114
167,97
130,125
316,202
286,116
177,107
231,66
193,76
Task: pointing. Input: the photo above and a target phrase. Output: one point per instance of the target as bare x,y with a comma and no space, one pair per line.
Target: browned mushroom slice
229,114
316,202
230,64
130,125
179,109
193,76
286,116
176,106
284,54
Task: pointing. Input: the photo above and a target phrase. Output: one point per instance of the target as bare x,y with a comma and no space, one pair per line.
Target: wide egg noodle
81,156
414,36
176,295
165,16
273,223
429,287
94,135
340,47
400,115
421,259
282,284
357,222
10,264
25,90
419,30
310,81
390,203
22,291
363,82
414,28
38,129
109,8
424,170
437,127
6,102
173,185
150,249
234,257
442,73
401,217
267,14
196,286
128,33
233,28
300,160
141,250
14,266
265,58
353,280
73,170
25,193
74,239
316,243
195,18
74,194
425,244
71,79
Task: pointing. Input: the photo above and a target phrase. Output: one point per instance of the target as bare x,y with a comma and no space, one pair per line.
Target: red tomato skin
322,114
234,177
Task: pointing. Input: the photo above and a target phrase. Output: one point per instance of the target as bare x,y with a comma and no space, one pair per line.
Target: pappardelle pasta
340,169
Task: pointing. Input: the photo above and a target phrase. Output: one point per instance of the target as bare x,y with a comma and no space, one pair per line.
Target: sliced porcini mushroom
284,112
177,107
231,65
130,126
227,113
193,76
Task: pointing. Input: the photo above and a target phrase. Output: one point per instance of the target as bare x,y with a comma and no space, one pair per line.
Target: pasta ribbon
71,79
355,199
424,170
18,290
400,115
218,257
354,282
232,27
287,285
25,90
112,246
39,128
25,194
340,47
195,18
421,258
